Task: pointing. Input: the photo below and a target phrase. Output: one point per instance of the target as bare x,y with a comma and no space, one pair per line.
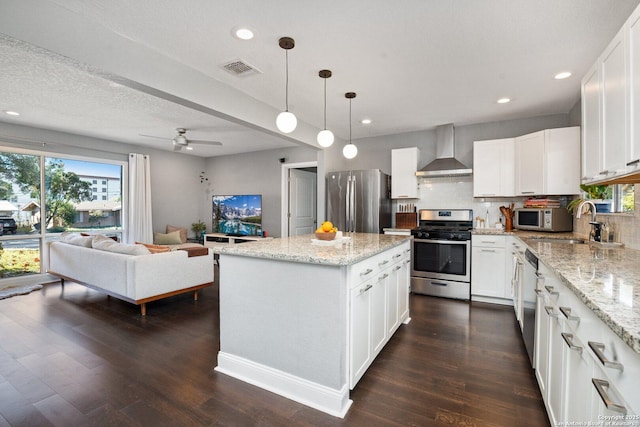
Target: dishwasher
528,297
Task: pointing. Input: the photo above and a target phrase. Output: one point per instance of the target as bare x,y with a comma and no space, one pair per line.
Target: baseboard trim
325,399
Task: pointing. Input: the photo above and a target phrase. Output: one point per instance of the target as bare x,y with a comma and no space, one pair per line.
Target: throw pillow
154,249
76,239
182,230
104,243
172,238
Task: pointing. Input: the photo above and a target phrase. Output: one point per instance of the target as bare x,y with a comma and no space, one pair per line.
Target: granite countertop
357,247
606,279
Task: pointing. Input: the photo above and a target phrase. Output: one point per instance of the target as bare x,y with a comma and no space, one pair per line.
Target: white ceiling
122,68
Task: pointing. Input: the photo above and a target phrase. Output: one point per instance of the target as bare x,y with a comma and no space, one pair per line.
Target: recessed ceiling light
503,100
12,113
562,75
366,121
243,33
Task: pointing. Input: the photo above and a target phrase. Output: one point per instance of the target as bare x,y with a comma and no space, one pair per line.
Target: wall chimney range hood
445,163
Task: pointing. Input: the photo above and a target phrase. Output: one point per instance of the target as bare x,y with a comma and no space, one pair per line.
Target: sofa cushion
154,249
104,243
76,239
182,230
172,238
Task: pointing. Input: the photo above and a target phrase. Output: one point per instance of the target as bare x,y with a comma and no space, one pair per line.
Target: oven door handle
447,242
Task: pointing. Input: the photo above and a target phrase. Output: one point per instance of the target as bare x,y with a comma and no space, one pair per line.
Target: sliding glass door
79,195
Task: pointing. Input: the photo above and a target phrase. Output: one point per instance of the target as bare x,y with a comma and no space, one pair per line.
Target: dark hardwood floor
72,357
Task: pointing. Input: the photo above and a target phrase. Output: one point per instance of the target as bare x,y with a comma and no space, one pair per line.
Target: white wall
254,173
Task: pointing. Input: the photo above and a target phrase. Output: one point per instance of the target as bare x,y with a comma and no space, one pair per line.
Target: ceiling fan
181,141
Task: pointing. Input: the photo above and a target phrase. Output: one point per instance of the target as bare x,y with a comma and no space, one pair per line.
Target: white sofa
134,278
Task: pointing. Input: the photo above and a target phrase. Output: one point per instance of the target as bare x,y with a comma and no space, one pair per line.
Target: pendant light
286,121
350,150
325,136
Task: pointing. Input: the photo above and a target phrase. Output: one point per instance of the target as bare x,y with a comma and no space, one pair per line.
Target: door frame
284,191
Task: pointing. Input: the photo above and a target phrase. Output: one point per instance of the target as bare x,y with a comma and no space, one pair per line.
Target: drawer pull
386,261
600,386
567,313
538,292
397,255
598,349
488,250
551,291
367,271
384,276
365,289
568,338
398,267
549,311
408,261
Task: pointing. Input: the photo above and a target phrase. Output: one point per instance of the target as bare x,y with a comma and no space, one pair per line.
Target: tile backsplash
457,193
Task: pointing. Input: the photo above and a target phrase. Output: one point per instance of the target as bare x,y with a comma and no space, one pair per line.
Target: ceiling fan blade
192,141
156,137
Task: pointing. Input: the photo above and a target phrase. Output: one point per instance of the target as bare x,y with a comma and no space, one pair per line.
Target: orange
327,226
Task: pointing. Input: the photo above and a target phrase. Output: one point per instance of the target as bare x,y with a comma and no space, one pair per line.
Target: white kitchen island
306,320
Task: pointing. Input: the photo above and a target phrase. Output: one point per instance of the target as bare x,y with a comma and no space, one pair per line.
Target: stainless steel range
442,253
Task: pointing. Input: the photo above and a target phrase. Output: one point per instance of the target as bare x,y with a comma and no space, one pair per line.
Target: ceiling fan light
286,122
325,138
350,151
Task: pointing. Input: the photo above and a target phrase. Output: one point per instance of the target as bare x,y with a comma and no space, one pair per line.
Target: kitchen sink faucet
596,226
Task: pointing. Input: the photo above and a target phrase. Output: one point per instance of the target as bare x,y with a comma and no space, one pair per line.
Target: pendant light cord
286,84
325,104
349,120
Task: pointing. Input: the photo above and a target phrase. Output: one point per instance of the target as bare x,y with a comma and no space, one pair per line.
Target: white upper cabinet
611,108
562,165
633,60
404,164
493,168
530,170
547,162
591,126
614,114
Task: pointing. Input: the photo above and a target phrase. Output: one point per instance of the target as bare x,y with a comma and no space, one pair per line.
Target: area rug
12,291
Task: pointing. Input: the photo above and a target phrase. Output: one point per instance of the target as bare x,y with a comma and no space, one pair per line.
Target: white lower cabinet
488,270
378,304
585,372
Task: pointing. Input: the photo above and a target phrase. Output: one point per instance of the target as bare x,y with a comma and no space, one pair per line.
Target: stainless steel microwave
543,219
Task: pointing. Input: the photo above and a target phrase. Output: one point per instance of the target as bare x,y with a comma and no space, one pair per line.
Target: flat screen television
237,215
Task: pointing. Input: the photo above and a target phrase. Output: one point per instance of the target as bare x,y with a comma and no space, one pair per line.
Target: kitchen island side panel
285,315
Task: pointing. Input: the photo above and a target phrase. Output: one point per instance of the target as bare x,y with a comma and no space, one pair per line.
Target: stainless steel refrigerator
359,200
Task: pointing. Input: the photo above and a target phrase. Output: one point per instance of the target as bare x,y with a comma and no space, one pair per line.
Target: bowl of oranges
326,231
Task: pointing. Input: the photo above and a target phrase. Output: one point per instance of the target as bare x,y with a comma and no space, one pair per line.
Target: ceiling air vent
239,67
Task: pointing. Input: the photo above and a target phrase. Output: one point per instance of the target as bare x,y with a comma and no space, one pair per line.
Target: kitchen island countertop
354,248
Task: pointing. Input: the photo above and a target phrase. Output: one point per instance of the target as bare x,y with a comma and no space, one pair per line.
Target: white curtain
140,228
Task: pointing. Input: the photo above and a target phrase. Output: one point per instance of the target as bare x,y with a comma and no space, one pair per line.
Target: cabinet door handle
488,250
539,292
598,350
600,386
384,276
397,255
527,192
604,172
365,289
386,261
549,311
367,271
566,311
568,338
633,162
551,291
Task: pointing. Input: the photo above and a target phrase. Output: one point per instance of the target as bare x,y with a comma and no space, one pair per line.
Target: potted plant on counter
199,228
600,195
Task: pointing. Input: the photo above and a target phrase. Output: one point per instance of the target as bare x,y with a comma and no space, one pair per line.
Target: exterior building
103,188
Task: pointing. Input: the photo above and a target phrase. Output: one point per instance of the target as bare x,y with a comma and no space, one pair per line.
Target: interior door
302,202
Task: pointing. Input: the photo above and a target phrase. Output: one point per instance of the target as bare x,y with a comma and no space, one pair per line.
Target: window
94,189
623,196
95,181
104,182
104,190
95,198
104,197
